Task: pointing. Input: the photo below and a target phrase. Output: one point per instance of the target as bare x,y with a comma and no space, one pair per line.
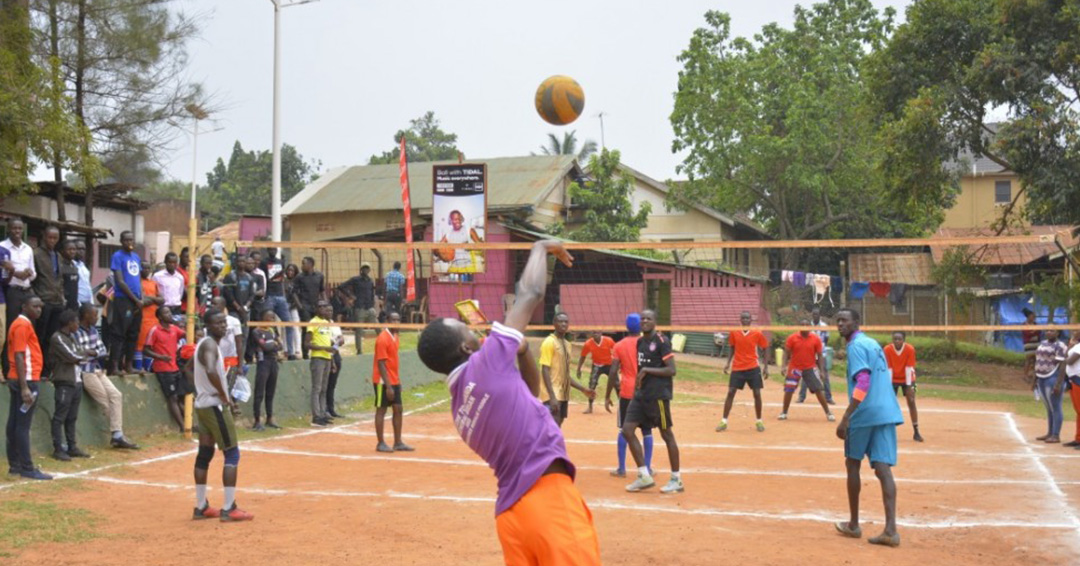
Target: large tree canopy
776,125
956,67
242,185
424,141
607,212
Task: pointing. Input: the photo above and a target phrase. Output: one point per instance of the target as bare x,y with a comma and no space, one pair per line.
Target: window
1002,192
104,255
902,309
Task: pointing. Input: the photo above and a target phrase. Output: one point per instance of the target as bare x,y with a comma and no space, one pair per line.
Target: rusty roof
1012,254
911,268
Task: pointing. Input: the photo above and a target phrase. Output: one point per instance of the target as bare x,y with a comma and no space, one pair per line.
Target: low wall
145,412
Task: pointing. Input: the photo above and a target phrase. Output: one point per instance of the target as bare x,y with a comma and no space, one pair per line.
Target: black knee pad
202,460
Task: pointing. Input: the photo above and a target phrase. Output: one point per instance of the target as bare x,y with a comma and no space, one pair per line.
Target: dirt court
979,491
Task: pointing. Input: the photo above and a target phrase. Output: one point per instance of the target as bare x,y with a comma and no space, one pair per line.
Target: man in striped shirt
394,282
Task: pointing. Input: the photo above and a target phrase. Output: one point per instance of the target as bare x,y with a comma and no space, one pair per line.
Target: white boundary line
620,506
815,406
1050,481
704,471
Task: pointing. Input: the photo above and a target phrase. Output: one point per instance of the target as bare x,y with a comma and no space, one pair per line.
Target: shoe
335,415
918,437
800,400
831,402
782,417
844,528
641,483
76,453
831,417
885,540
318,422
272,424
383,447
587,411
618,473
35,474
760,426
673,486
293,358
1071,444
124,443
402,447
1052,440
13,472
61,455
207,512
721,427
1042,438
258,427
235,514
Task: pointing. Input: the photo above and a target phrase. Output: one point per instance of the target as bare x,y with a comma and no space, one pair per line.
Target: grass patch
28,520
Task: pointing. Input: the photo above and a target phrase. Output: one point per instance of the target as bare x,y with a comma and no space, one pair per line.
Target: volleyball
559,100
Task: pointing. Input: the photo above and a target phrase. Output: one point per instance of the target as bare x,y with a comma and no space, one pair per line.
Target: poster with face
459,214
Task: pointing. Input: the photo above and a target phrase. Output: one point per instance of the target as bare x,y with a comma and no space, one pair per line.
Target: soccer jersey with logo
653,351
501,420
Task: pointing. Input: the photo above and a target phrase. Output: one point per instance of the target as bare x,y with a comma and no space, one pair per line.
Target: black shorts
624,404
381,401
170,383
564,409
751,377
902,388
655,413
597,371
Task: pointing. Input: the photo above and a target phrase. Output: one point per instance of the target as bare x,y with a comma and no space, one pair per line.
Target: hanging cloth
821,288
837,284
798,279
859,289
787,275
774,277
898,294
880,289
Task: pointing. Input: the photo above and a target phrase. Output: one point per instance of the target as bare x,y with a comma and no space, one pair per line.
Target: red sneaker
207,512
236,514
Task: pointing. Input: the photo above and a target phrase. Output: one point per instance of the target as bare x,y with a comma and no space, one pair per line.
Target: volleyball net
975,289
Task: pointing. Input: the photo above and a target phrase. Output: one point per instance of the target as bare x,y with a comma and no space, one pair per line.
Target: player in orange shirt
744,365
901,359
802,361
600,348
24,377
388,386
624,371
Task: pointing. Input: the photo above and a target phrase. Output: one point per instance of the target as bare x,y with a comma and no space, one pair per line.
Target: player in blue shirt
868,428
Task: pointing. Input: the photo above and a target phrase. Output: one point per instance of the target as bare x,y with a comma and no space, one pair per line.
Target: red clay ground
976,493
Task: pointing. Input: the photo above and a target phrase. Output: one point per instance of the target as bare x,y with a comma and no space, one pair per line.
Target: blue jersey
879,407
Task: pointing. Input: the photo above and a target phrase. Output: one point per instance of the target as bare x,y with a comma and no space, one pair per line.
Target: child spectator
162,344
64,359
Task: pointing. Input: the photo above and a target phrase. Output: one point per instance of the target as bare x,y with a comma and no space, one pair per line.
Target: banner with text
459,215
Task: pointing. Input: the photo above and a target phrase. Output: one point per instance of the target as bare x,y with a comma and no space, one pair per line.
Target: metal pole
275,179
193,223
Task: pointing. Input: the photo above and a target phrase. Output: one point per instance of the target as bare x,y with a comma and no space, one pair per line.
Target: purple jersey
501,420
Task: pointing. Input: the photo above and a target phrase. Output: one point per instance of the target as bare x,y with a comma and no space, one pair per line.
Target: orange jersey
803,352
21,338
386,349
745,344
149,312
601,353
626,352
900,361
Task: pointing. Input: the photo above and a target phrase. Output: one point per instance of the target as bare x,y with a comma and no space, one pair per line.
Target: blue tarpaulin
1010,310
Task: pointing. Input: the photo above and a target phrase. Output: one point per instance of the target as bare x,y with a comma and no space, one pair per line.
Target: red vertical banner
410,267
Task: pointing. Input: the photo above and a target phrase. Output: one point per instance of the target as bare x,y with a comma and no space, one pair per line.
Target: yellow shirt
321,336
555,354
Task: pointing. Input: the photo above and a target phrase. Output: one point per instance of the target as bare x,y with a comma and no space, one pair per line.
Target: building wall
168,216
333,226
924,307
975,206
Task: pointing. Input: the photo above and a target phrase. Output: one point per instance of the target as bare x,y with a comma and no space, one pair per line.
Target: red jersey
803,352
22,338
900,361
745,343
601,353
626,352
386,349
164,342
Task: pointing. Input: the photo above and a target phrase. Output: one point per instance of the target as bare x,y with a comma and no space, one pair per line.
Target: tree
242,186
424,141
607,213
775,126
568,146
955,65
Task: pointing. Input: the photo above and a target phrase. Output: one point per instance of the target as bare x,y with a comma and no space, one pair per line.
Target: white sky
356,71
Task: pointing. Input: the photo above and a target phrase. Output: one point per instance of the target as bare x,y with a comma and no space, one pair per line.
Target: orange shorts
549,525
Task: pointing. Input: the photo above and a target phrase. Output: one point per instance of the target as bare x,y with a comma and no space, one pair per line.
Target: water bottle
26,407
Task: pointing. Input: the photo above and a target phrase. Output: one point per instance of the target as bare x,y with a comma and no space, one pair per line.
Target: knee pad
202,460
232,456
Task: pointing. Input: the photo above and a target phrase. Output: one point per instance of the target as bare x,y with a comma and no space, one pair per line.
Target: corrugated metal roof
513,182
910,269
1012,254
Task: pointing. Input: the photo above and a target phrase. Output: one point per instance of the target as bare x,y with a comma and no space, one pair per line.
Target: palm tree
568,146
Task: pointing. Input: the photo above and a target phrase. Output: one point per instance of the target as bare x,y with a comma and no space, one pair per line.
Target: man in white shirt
171,285
22,273
86,295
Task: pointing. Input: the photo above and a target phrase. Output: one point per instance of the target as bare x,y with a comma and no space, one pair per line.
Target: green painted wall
145,412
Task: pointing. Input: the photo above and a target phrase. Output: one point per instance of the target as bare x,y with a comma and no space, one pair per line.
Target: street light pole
198,113
275,175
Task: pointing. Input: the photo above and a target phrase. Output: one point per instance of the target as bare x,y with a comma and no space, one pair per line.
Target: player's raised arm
531,286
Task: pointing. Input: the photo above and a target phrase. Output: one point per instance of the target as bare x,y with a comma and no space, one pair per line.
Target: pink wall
488,287
253,228
601,303
716,305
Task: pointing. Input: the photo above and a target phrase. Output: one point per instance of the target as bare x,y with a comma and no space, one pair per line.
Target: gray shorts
813,382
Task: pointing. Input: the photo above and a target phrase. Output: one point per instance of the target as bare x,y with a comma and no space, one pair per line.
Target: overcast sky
356,71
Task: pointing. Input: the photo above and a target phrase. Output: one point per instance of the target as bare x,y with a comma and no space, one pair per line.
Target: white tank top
206,394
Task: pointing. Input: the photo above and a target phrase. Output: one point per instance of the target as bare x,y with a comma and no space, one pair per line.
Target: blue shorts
876,442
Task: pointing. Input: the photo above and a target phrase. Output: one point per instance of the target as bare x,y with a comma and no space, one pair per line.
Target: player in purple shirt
540,516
